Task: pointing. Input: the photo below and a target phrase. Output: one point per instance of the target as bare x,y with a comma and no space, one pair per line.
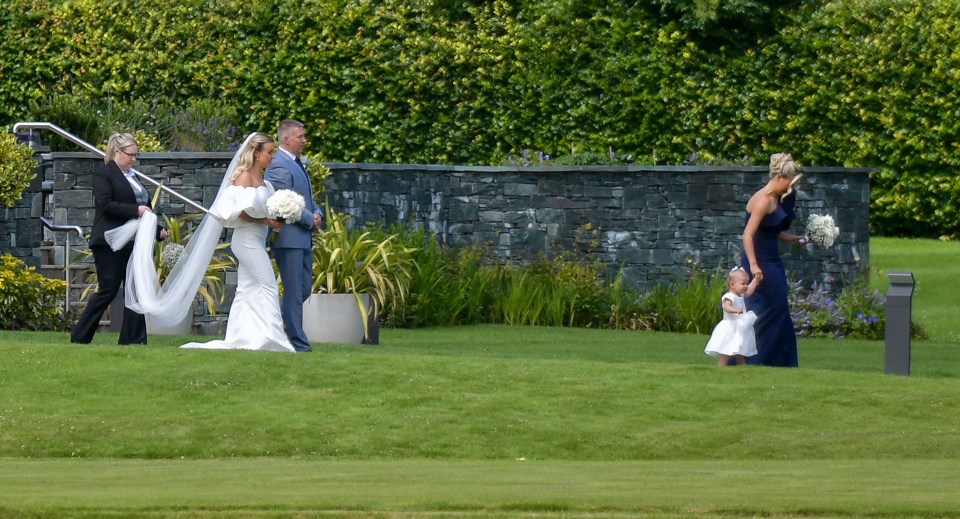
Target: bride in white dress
254,322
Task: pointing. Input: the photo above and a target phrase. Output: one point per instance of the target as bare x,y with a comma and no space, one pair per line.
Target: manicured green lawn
484,421
487,421
935,268
274,487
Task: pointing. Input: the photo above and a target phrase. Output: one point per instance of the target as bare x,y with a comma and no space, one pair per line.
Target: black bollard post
897,333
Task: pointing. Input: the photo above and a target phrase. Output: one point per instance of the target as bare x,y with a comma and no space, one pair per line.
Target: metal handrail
89,147
66,253
56,227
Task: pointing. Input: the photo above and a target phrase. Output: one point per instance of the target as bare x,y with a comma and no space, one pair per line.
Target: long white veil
169,304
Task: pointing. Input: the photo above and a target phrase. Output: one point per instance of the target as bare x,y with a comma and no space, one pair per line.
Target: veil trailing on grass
169,304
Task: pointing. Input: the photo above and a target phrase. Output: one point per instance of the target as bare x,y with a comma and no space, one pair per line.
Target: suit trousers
296,274
111,271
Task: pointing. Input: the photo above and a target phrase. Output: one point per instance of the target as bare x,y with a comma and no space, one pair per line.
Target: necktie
306,175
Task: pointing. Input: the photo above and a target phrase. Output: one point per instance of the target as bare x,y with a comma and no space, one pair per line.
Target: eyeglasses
133,155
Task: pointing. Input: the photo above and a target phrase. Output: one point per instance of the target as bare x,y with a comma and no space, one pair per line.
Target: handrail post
46,189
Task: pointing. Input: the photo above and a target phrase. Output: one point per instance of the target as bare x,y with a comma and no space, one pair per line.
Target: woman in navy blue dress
769,214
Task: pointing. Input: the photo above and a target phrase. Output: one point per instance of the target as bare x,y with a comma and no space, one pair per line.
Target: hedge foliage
855,82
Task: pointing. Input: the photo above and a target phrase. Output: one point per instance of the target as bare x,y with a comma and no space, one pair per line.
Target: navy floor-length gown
776,338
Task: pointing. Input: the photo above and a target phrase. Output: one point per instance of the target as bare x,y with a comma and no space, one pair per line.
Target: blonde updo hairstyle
249,154
118,141
783,164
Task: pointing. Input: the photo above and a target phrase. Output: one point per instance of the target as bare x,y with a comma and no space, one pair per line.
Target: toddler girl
733,336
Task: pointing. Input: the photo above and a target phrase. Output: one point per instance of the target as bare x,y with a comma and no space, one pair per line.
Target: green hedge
857,83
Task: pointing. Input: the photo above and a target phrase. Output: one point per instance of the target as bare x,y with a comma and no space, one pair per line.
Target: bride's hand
276,225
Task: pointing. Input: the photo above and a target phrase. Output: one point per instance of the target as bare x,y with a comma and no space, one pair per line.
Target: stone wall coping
444,168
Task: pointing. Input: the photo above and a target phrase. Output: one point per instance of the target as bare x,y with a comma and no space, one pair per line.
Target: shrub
590,158
74,114
856,312
17,168
29,301
201,125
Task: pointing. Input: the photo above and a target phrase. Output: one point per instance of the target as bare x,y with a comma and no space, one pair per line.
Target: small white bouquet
285,205
821,230
170,253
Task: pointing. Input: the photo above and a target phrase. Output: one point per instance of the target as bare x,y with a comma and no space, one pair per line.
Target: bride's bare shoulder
244,179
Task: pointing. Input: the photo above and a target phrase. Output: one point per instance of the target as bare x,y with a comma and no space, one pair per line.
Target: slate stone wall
652,222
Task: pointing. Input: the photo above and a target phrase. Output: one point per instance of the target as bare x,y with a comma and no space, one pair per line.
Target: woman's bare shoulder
760,203
244,179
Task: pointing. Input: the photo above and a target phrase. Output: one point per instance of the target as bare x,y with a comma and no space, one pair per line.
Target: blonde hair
737,271
118,141
783,164
249,154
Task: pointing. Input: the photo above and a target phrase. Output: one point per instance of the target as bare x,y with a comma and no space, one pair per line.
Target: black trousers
111,271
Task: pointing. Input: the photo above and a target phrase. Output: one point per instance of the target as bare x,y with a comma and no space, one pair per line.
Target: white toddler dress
734,334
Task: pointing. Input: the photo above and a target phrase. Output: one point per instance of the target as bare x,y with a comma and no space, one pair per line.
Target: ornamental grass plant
465,286
358,262
443,286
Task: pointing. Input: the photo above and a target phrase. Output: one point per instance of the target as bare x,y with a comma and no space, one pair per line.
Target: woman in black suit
118,197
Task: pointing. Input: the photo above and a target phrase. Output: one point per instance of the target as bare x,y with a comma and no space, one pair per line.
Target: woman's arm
758,210
276,225
785,236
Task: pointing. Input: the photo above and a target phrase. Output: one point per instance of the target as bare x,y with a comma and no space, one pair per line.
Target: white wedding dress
254,322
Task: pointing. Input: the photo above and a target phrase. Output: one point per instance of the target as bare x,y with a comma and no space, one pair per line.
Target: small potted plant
355,275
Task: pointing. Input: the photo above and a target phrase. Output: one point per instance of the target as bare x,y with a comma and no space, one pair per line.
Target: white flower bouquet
821,230
170,253
285,205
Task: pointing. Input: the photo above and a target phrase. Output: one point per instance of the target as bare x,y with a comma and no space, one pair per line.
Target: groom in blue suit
293,249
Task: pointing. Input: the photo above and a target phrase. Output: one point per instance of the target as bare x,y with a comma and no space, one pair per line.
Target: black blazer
114,202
